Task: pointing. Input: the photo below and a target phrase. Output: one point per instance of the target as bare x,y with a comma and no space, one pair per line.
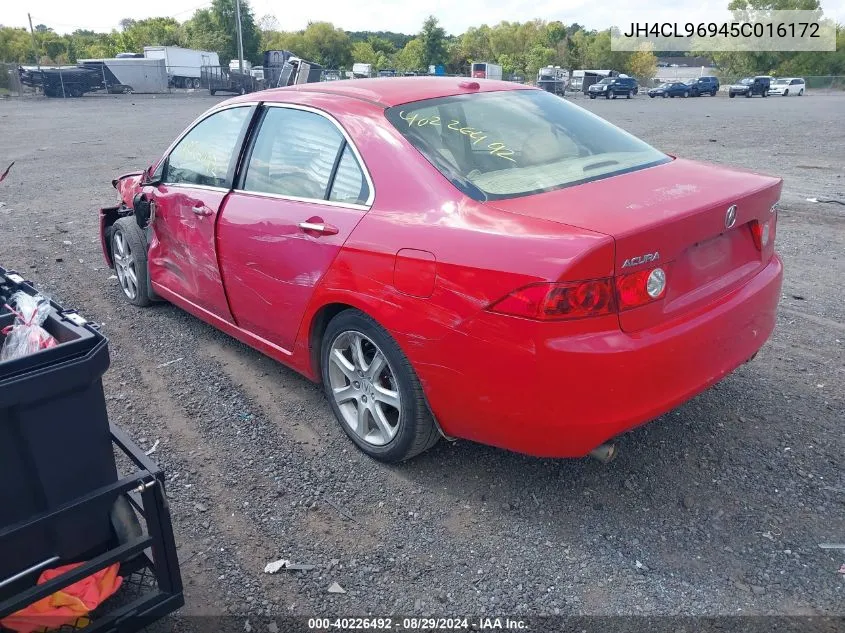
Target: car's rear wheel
665,95
129,254
373,390
628,96
713,93
731,95
592,96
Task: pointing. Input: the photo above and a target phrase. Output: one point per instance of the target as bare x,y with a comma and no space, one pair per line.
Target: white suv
786,86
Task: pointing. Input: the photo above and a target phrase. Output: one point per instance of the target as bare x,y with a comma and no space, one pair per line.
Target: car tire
628,96
665,95
196,82
748,95
129,255
212,92
651,96
801,92
592,96
713,93
786,92
414,431
686,94
731,95
611,95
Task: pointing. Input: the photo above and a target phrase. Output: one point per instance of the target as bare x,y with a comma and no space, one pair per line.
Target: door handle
319,227
201,210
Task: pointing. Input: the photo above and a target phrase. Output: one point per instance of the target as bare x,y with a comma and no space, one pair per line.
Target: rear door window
293,155
302,154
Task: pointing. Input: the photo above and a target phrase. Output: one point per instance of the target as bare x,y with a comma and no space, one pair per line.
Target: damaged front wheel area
129,254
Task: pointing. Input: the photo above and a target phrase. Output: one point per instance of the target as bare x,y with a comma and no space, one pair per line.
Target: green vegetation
520,47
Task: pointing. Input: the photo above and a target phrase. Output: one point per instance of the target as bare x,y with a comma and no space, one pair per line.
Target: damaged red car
459,258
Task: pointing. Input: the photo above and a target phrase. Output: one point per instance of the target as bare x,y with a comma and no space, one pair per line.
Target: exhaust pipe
604,453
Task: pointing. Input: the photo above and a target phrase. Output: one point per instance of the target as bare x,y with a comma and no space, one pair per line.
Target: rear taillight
558,301
762,232
639,288
580,299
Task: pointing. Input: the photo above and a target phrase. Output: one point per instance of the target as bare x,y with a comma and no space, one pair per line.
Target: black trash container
55,443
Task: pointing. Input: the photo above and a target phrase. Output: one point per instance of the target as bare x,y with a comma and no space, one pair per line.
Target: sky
379,15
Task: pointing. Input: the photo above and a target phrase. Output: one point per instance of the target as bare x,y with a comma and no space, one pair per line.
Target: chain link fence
154,76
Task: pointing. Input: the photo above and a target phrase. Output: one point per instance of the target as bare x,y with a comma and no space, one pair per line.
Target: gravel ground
716,508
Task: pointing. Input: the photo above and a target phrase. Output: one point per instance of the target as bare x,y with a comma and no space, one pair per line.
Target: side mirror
153,179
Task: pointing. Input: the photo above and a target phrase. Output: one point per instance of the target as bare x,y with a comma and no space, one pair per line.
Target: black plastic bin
55,443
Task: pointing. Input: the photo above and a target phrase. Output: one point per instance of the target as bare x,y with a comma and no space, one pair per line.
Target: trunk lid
672,215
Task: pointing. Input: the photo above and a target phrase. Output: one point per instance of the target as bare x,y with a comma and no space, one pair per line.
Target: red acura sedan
466,258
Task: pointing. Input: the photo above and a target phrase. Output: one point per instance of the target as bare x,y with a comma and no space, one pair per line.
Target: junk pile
70,527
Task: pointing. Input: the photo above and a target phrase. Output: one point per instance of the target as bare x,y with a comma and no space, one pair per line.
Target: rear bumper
559,390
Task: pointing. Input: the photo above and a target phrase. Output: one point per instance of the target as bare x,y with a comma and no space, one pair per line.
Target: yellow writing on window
476,136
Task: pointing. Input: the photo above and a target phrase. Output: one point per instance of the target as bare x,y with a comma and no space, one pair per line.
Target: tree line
520,47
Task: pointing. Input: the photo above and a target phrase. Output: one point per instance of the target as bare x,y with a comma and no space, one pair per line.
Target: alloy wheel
364,388
124,264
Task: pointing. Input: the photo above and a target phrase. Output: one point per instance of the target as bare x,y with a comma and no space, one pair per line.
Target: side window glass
293,154
349,183
204,155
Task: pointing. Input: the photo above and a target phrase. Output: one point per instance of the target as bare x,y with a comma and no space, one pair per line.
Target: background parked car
677,89
786,86
611,87
707,85
750,86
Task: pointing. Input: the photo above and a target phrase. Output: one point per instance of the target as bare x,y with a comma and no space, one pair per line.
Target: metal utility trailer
221,79
75,488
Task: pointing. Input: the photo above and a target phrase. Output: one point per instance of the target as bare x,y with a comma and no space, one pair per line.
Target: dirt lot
716,508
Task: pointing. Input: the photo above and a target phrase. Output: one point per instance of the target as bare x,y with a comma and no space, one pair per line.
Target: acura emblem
730,216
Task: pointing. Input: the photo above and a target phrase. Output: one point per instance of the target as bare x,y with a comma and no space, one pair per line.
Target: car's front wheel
628,96
373,390
786,92
686,93
801,92
713,93
129,254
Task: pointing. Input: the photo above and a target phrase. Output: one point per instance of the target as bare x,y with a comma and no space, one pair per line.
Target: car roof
391,91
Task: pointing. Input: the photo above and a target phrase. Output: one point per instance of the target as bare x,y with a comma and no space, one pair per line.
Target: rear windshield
513,143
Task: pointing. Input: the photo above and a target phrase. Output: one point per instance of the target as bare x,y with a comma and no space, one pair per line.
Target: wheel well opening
318,329
110,216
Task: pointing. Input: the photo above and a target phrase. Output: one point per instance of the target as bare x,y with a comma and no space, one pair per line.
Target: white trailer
486,70
127,75
183,64
362,70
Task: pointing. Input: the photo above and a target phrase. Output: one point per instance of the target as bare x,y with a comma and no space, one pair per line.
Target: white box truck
183,64
486,70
